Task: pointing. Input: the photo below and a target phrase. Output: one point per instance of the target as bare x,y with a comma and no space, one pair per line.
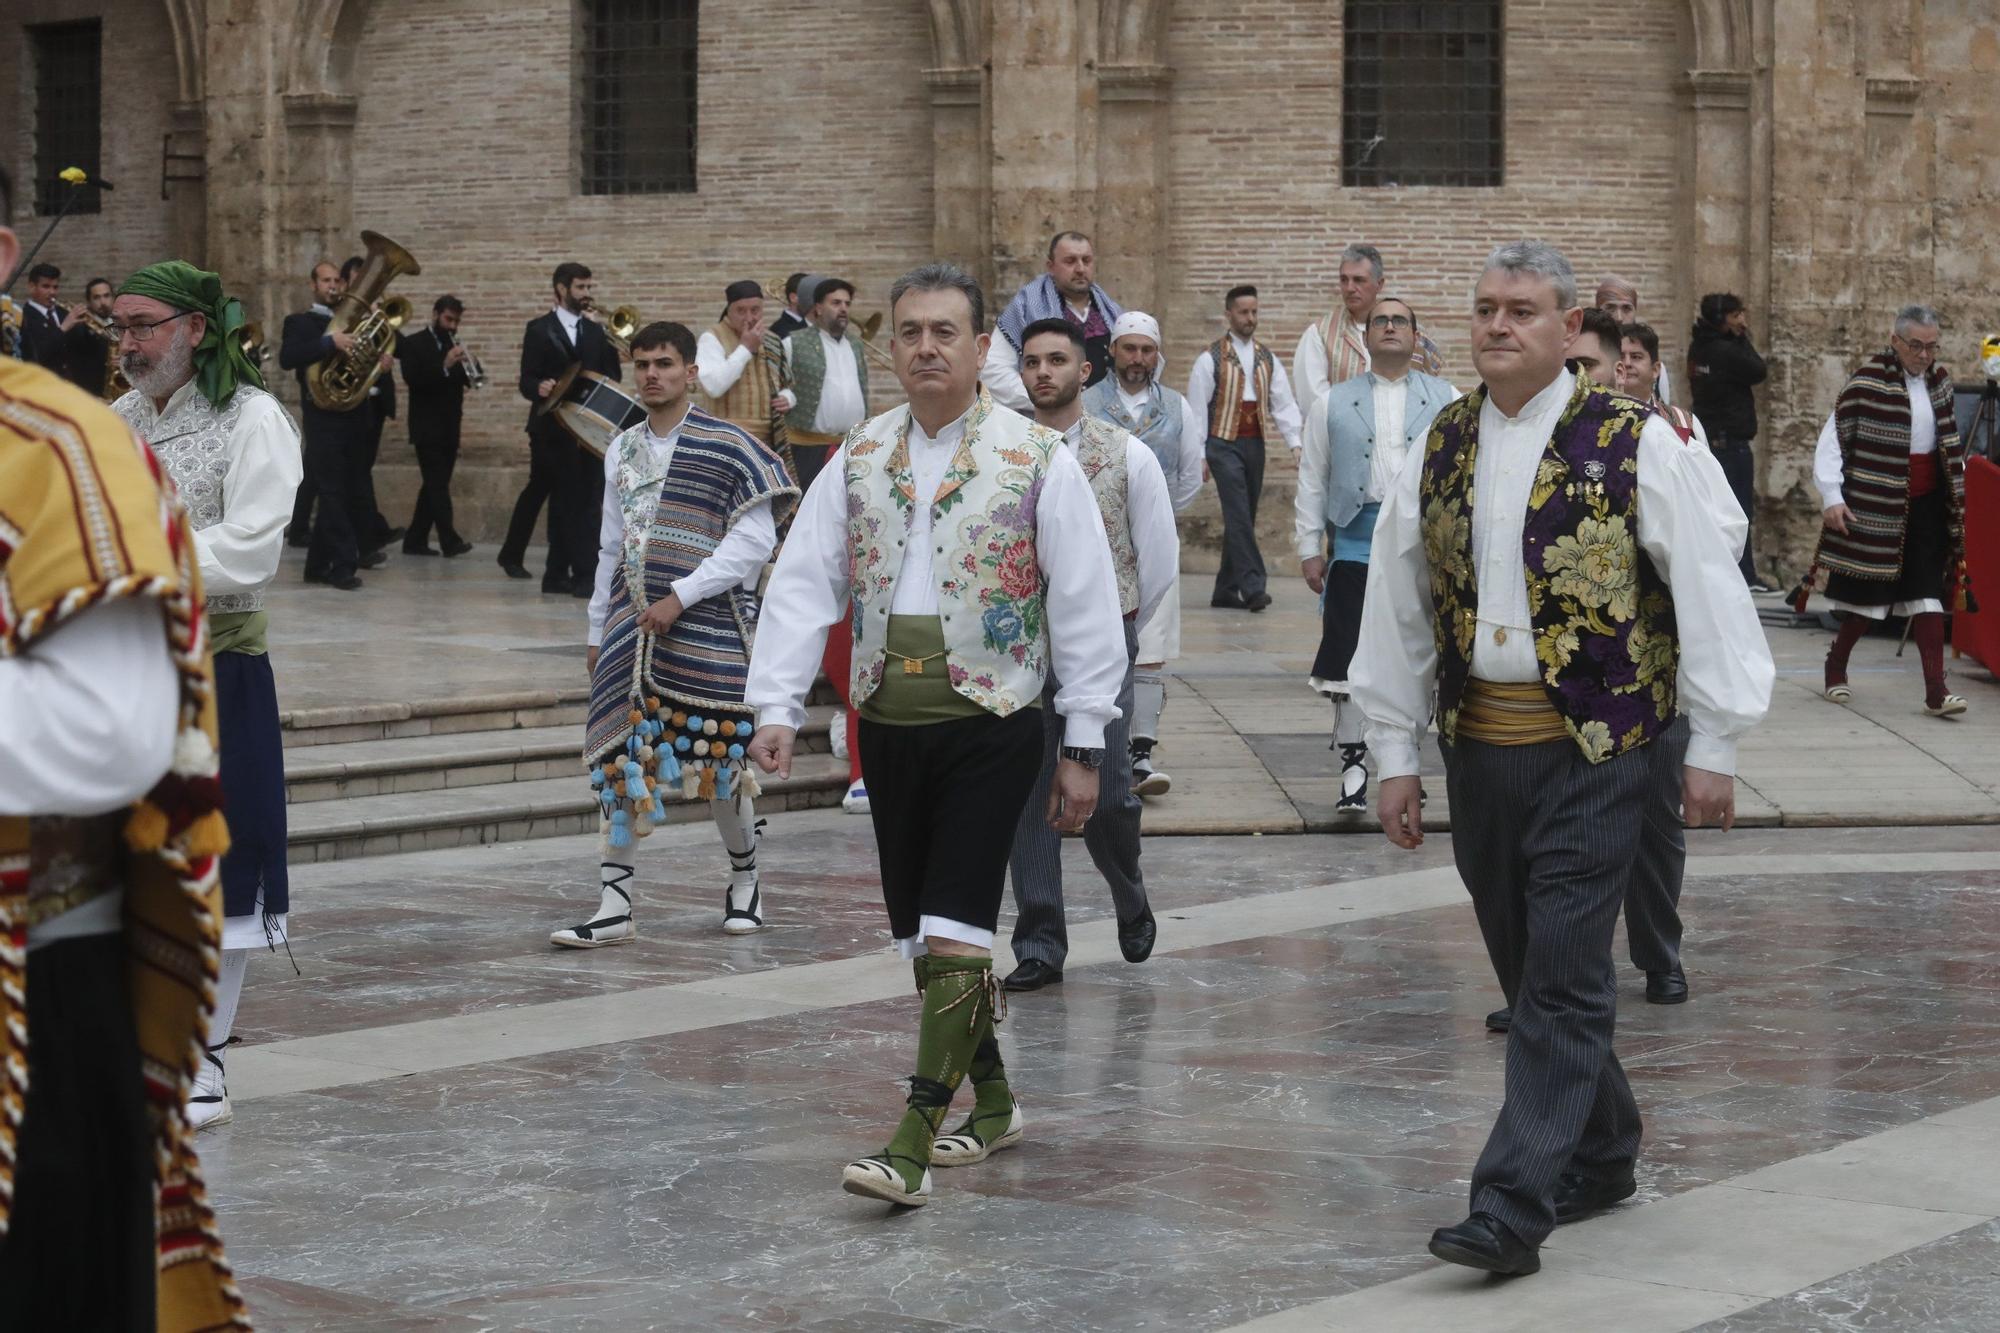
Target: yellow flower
74,175
1595,738
1595,566
1548,478
1554,647
1447,534
1652,652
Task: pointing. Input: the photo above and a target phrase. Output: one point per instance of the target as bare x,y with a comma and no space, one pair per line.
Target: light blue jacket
1350,433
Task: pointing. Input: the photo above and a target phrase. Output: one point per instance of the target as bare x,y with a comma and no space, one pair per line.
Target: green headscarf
219,363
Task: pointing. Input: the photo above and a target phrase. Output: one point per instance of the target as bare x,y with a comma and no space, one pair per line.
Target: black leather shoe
344,582
459,546
517,570
583,588
1135,937
1229,602
1667,987
393,535
418,550
1500,1020
1259,602
1482,1241
1579,1195
375,559
1032,975
554,589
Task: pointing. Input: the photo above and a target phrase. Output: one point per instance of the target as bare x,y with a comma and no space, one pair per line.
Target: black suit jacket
437,395
41,336
546,353
82,358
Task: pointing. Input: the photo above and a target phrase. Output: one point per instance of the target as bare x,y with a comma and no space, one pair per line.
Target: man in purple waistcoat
1550,567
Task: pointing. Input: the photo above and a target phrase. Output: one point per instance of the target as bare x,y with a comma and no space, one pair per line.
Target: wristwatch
1089,758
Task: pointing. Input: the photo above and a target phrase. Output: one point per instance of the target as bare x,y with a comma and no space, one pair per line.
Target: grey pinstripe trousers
1111,836
1545,843
1653,898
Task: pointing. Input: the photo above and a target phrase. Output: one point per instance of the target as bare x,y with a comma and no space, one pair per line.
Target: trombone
618,326
867,329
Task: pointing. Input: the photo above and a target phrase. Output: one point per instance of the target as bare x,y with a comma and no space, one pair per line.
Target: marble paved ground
443,1124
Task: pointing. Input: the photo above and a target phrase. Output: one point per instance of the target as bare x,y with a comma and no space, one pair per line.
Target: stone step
522,710
344,770
332,830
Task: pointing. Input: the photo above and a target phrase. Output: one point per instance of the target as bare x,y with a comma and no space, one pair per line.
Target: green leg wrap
992,1099
958,1006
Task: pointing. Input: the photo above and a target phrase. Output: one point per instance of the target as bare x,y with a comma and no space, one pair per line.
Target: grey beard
162,377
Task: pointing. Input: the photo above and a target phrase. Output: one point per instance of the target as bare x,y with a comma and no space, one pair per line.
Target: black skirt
1340,620
253,785
1926,548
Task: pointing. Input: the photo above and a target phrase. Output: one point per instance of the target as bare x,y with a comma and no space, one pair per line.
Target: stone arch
1723,34
958,34
324,42
1131,32
186,21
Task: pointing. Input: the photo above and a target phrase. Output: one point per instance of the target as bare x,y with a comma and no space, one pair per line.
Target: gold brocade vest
990,588
747,404
87,516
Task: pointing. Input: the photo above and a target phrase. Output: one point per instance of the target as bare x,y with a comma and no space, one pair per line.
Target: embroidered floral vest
809,374
1226,408
1158,426
1100,449
1603,617
990,587
191,440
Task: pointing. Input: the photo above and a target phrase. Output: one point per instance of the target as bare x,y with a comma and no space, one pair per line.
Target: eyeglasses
1390,322
1923,349
143,333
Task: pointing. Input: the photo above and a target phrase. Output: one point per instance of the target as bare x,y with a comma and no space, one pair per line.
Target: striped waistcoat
1224,410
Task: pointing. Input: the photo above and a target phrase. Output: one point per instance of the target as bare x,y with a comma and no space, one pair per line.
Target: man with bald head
1618,298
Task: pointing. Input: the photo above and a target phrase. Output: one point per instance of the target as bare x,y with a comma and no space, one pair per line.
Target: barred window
67,96
637,96
1421,93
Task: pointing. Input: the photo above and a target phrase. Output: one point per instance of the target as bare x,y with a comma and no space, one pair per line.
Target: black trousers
437,458
1653,898
1238,468
1544,841
944,799
809,459
80,1250
334,550
1739,467
570,481
369,524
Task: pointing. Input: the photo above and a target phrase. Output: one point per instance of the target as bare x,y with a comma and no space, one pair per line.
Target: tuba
251,339
341,382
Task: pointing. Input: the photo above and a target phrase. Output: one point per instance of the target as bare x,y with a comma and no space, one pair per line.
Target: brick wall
1592,158
814,153
138,79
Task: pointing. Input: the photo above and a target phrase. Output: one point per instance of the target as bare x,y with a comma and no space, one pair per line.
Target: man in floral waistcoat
968,546
1551,568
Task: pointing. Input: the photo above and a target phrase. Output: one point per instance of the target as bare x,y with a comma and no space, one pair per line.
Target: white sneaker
596,934
208,1102
743,920
1147,780
836,734
856,800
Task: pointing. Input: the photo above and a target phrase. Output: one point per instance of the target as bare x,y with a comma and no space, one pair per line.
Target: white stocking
228,993
1348,723
736,821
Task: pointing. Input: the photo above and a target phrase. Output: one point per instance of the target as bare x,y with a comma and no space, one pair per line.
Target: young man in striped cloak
690,515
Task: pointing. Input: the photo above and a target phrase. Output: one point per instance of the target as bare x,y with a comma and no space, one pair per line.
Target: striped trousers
1111,836
1653,898
1545,842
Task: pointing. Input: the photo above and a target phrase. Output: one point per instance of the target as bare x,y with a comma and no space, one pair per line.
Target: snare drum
595,409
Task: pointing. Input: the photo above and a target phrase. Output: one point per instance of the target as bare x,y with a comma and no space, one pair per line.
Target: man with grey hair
1890,469
1559,624
1335,349
964,546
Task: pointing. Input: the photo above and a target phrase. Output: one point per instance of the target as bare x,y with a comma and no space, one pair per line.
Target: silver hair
1543,261
942,276
1916,317
1364,254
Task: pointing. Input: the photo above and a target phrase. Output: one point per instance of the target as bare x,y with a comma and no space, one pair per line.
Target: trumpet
475,373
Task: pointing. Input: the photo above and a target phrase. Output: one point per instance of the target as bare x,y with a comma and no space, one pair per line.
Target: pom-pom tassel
620,836
722,784
708,784
146,830
208,835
